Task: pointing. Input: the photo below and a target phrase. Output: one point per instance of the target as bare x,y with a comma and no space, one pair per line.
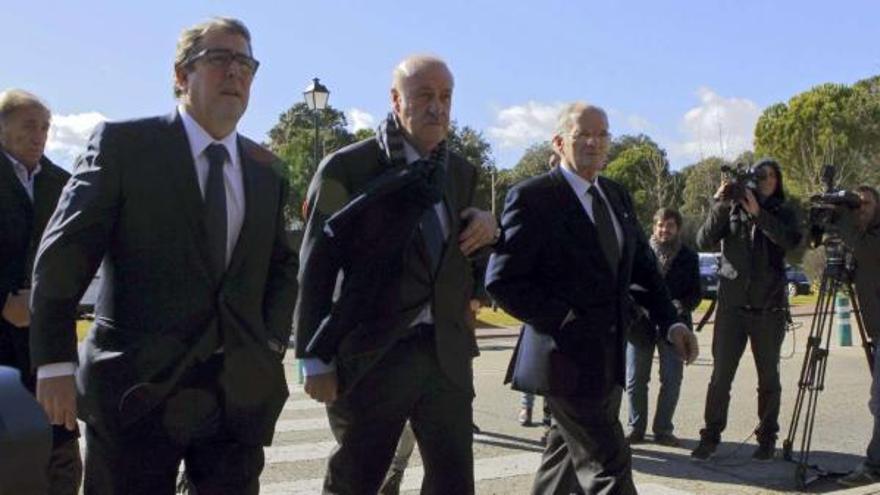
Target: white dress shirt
315,366
581,189
199,140
25,176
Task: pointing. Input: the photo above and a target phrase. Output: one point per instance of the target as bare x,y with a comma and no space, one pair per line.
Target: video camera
824,206
738,179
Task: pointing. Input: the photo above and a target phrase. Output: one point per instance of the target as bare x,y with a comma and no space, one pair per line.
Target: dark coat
22,221
550,263
134,202
341,177
865,246
752,272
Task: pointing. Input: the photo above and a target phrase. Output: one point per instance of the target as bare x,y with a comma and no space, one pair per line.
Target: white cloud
68,136
718,126
522,125
359,119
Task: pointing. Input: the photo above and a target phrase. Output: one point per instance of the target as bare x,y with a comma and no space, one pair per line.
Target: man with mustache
406,351
193,318
30,185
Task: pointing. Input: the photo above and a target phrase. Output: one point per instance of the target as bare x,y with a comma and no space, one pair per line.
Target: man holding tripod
860,231
755,230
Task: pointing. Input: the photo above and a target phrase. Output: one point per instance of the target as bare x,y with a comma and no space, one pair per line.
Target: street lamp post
316,96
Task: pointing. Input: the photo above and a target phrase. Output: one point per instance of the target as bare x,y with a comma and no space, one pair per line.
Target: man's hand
323,388
57,395
685,343
16,310
720,194
750,203
480,230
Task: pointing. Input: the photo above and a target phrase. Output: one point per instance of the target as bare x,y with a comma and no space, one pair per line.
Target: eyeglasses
223,58
598,136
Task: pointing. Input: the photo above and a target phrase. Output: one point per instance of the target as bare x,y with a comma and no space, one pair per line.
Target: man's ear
557,142
395,101
180,78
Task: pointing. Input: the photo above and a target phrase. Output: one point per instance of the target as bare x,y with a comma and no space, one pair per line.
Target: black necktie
215,207
432,233
605,228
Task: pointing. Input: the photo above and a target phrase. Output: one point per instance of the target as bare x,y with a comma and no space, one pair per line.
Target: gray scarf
433,168
665,252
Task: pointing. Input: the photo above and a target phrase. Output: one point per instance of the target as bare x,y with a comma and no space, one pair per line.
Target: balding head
413,65
582,138
421,98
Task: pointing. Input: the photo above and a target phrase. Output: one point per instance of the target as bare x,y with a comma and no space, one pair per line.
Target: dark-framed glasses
223,58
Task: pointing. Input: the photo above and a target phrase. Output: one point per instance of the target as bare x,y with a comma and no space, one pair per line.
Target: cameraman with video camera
755,229
860,231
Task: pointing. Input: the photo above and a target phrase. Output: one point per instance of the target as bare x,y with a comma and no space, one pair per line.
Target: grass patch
82,328
488,317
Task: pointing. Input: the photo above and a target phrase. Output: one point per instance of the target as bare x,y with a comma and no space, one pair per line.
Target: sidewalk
843,423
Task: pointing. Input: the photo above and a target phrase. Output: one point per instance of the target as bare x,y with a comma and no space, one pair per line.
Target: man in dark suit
30,185
571,248
407,352
192,320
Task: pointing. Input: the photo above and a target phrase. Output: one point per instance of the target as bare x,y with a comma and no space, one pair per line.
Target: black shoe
525,416
704,451
765,452
667,439
635,437
859,477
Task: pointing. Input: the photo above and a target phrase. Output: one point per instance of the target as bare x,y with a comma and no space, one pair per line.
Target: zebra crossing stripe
311,424
298,452
484,469
302,405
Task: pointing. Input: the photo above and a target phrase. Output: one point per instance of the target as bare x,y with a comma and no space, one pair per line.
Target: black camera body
822,214
739,178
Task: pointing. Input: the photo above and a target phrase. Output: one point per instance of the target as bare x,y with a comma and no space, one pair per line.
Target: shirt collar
199,139
22,171
411,153
578,183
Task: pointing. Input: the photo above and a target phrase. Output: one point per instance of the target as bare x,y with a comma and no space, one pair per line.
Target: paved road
507,454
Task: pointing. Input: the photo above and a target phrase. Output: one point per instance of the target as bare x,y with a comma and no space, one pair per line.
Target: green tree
829,124
701,180
293,139
472,145
641,166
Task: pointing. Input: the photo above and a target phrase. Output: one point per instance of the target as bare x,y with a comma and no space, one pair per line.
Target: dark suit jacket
549,263
134,201
22,222
343,176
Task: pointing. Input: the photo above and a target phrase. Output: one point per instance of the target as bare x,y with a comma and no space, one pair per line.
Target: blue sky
693,75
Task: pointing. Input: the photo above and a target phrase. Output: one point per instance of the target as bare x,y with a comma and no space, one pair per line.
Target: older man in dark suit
571,248
397,344
184,360
30,185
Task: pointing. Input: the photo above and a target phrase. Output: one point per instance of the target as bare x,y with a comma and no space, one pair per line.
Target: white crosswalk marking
311,424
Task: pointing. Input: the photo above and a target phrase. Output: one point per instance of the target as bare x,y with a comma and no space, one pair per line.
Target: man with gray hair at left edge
183,363
30,185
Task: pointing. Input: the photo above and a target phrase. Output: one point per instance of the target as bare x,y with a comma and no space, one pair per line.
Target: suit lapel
7,174
577,221
623,215
180,168
250,177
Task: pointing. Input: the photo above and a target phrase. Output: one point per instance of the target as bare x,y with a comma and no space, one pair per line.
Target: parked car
798,283
709,263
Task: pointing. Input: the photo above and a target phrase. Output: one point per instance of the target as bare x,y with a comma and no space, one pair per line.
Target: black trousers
65,464
145,458
407,383
586,452
765,331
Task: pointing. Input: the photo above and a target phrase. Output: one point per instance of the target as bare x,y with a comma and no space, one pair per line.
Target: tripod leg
867,345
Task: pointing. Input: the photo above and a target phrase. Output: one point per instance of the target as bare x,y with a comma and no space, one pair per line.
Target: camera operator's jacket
752,271
865,245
